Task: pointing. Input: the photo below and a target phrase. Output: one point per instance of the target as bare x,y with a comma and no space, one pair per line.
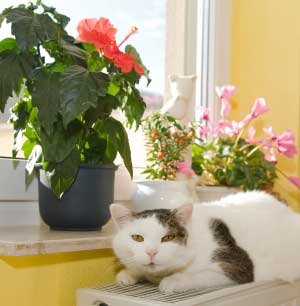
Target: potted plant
67,89
228,155
166,184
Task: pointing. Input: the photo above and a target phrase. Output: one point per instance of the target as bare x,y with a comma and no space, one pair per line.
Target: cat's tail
222,233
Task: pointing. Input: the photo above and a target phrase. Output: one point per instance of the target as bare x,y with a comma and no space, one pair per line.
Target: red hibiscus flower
99,32
126,62
102,34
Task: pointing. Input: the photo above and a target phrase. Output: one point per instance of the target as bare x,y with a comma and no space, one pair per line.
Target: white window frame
200,30
189,23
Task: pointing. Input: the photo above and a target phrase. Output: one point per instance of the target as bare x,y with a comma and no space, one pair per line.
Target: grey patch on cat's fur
168,219
232,259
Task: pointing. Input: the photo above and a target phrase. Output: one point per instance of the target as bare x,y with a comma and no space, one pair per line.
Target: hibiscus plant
224,155
66,90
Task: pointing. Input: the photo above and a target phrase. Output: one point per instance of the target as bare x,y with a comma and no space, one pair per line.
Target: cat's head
152,241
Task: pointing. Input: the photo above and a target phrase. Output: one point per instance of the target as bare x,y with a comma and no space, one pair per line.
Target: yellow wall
51,280
265,53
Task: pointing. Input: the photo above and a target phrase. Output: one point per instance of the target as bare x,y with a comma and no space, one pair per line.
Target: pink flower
225,127
225,93
184,168
251,134
258,109
225,108
204,131
269,131
286,144
270,154
295,180
204,114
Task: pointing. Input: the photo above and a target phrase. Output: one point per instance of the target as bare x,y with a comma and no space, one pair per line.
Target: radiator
255,294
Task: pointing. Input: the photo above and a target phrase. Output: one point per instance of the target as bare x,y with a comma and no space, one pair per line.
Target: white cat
242,238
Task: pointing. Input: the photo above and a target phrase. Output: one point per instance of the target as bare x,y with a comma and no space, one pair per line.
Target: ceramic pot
85,206
155,194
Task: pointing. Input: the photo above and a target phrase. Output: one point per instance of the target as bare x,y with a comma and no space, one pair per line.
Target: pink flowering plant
229,153
167,142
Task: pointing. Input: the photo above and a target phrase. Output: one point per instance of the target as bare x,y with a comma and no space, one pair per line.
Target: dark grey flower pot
85,206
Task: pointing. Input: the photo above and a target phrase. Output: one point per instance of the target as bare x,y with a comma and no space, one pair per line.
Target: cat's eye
167,238
137,238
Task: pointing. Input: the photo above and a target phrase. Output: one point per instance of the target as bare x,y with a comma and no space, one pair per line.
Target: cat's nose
151,252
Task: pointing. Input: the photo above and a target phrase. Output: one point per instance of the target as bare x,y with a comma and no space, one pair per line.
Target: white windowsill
35,240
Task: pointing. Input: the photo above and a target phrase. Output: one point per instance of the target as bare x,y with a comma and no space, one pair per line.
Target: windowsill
36,240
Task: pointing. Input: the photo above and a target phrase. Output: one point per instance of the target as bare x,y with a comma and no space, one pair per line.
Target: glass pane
148,16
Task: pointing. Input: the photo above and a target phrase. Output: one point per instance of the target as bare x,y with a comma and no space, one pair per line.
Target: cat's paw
124,278
173,283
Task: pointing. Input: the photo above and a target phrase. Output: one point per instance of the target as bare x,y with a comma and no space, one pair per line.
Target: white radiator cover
254,294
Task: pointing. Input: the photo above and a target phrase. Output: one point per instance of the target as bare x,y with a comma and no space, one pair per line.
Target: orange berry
161,154
154,134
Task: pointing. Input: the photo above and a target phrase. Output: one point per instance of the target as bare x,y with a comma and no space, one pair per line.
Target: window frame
204,31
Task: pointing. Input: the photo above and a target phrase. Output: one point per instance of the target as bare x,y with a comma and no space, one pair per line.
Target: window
176,36
213,52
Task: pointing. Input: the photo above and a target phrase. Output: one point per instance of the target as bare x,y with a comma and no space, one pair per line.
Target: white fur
264,227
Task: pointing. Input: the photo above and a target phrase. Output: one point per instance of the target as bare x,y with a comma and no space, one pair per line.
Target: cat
245,237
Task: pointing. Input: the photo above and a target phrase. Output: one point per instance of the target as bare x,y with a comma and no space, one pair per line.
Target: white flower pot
214,193
155,194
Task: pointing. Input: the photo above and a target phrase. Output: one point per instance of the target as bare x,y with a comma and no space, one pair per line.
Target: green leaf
58,145
19,67
60,18
132,50
63,174
80,91
118,138
94,150
2,17
73,50
8,44
134,107
102,110
29,28
33,158
27,147
46,97
113,89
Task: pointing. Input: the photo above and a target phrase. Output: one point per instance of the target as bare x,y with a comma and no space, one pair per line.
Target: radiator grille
151,293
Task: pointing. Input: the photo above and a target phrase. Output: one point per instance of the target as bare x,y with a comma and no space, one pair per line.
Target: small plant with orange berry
167,142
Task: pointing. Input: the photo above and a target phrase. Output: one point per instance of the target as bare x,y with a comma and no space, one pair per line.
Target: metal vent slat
150,292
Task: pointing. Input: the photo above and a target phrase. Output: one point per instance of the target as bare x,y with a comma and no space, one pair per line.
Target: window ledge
35,240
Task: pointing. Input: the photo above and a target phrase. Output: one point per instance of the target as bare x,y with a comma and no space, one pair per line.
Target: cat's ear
184,213
120,214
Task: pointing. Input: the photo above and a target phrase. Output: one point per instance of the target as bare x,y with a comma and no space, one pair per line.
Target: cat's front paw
173,283
124,278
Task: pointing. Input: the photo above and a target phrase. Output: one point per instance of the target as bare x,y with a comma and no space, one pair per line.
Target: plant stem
282,173
254,150
245,146
238,138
